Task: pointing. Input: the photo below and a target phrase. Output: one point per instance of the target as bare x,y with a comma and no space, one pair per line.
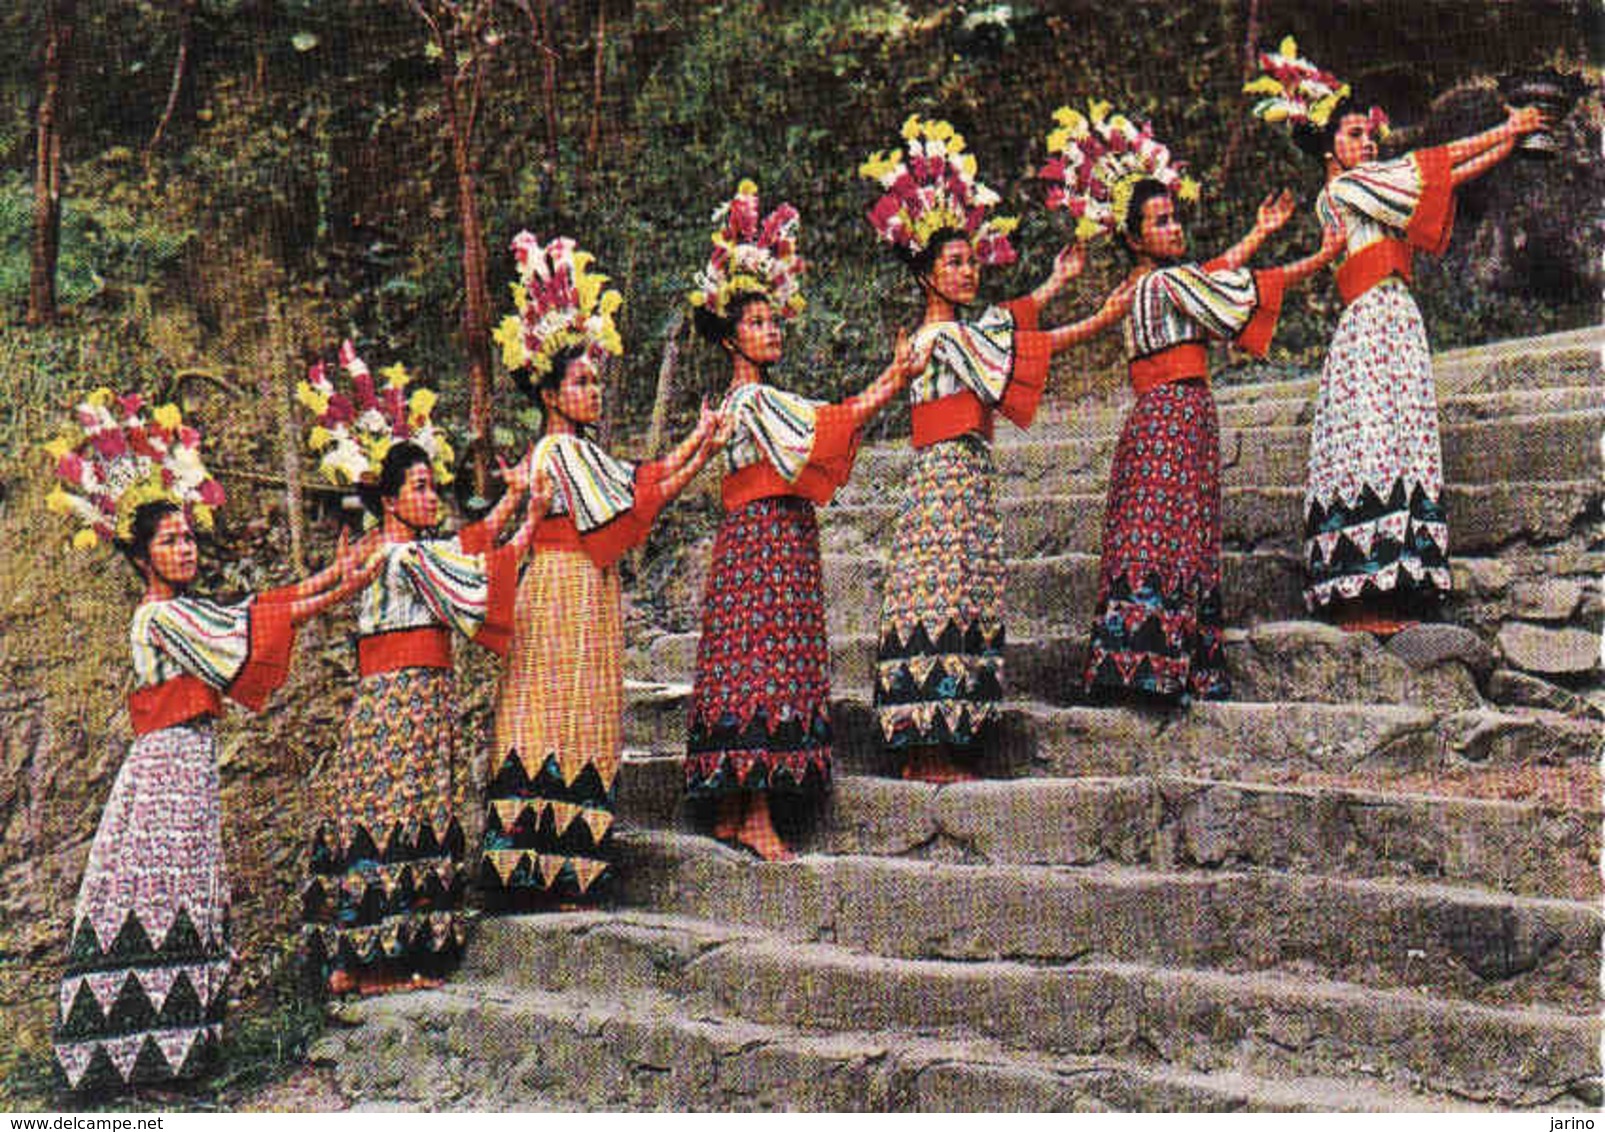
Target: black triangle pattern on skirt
420,843
150,1066
709,775
586,790
792,734
969,640
132,946
416,943
525,891
1324,518
1122,648
417,884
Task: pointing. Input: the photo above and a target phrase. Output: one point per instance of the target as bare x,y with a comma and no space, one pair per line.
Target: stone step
1483,519
1105,415
1271,662
1567,358
1357,744
1542,448
1056,595
1491,948
1262,1025
1174,823
478,1044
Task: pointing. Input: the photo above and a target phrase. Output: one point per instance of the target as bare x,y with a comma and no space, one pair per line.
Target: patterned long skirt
557,738
387,874
142,1000
1158,626
1373,515
760,705
939,665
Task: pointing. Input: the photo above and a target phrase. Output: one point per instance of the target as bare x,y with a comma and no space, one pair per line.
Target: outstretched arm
1066,266
355,565
1112,310
1274,212
1473,156
540,498
675,459
516,481
709,437
1333,241
910,357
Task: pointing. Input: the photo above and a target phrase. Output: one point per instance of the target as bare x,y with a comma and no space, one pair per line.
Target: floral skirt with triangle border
142,1000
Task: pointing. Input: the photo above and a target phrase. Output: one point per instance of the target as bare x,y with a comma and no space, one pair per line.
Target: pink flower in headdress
110,443
211,493
338,412
130,403
70,468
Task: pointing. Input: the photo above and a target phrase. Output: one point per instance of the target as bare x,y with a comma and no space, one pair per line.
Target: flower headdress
355,430
561,304
931,188
1096,159
752,257
1300,93
113,457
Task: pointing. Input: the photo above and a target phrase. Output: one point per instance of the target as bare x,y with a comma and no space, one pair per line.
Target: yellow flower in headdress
202,514
509,335
421,404
319,438
313,399
396,376
59,447
59,502
169,417
85,539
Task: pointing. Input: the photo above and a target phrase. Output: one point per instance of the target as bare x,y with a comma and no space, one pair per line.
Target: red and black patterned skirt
1158,628
760,707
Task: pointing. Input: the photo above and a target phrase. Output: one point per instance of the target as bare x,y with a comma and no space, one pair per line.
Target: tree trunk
46,245
186,29
1234,140
593,140
476,291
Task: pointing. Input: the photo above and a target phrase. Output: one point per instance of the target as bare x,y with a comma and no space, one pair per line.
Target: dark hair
1142,192
551,379
147,517
402,456
715,329
923,262
1316,141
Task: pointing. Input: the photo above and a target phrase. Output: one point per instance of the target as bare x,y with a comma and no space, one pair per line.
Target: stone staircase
1370,882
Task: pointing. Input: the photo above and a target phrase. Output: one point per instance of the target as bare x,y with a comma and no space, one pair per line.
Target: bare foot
757,832
937,766
732,809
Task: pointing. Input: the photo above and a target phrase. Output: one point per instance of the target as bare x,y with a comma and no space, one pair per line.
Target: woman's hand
540,491
1274,211
1523,120
1070,261
1118,301
1334,237
518,476
910,356
723,428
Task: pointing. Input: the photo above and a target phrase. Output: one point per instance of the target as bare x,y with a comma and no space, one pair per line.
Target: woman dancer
939,665
557,740
1376,538
1158,626
143,997
382,908
760,706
